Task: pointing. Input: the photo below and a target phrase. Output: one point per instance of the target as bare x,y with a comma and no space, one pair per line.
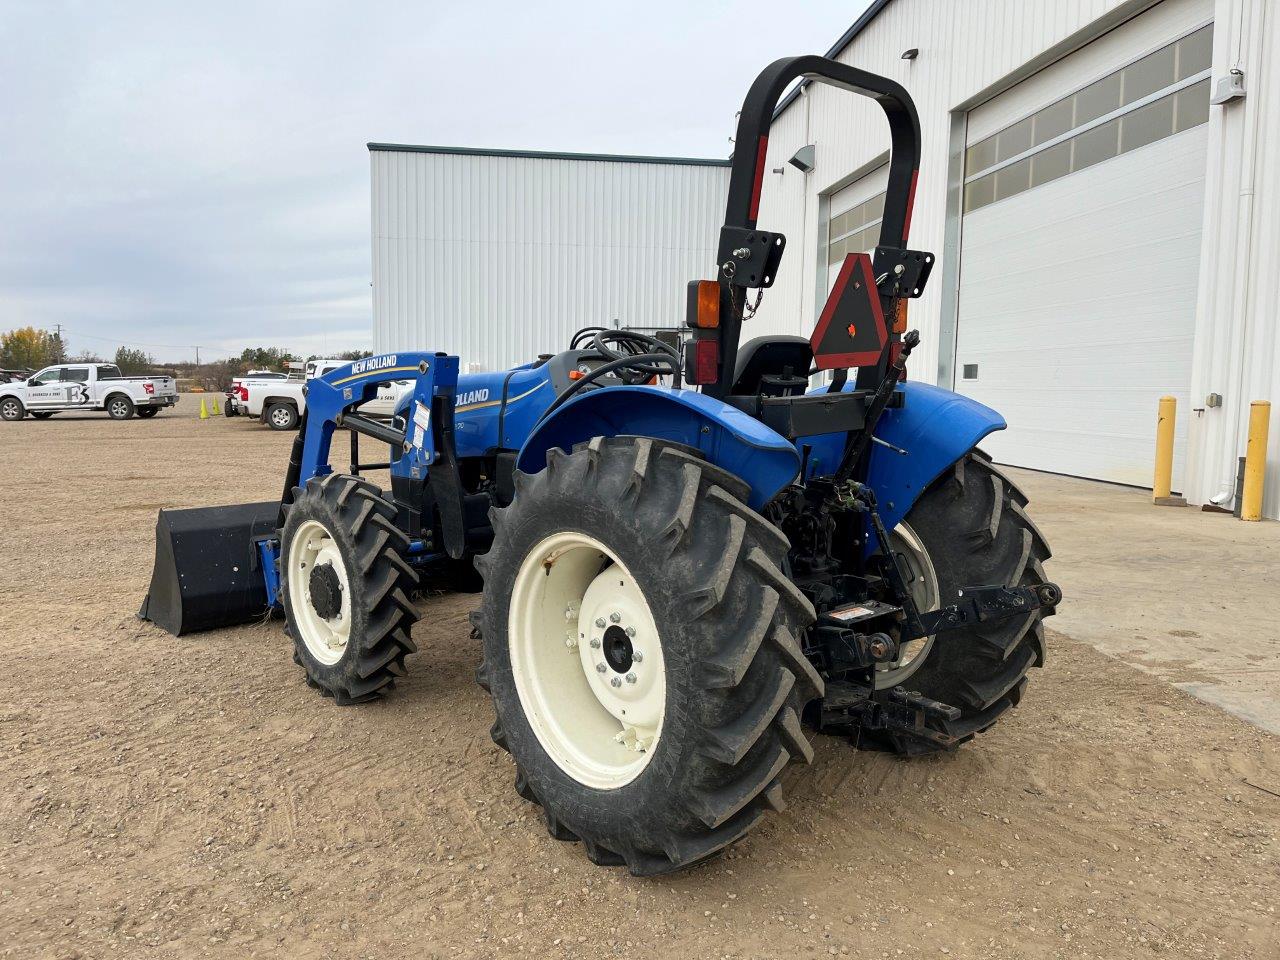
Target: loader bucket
207,573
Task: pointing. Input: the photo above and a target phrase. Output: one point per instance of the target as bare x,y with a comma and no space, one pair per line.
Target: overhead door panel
854,223
1080,253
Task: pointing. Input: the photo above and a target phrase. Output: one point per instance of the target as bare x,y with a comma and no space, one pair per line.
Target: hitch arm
987,604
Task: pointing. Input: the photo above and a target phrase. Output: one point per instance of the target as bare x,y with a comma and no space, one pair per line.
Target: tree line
30,348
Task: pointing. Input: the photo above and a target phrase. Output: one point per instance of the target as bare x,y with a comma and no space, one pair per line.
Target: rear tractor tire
971,528
641,649
345,586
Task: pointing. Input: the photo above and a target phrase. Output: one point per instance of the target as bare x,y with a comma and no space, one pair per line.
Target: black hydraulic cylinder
373,428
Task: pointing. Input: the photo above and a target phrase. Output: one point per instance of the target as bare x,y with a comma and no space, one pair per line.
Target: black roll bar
746,180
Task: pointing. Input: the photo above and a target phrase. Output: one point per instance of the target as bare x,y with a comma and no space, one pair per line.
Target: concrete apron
1190,597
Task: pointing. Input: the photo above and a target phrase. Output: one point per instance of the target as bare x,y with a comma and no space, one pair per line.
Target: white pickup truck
86,386
280,403
232,407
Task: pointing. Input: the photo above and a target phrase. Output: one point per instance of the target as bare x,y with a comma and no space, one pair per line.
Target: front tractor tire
346,587
971,528
641,650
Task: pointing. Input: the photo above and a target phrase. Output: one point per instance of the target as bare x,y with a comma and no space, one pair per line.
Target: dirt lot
173,798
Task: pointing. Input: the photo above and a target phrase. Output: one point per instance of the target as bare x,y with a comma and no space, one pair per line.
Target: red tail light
243,391
706,360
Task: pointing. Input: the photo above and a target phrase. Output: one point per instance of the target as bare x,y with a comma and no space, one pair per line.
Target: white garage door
1080,249
854,224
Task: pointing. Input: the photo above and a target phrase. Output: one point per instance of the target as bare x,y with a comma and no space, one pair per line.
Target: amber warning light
704,304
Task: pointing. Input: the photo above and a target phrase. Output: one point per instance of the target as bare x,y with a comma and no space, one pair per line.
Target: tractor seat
764,356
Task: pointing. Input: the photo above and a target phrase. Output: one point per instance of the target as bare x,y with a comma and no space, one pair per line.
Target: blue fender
725,435
935,427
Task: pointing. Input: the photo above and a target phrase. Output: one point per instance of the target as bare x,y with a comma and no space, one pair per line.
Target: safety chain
748,309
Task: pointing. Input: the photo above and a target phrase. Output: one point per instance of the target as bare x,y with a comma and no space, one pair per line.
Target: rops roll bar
748,257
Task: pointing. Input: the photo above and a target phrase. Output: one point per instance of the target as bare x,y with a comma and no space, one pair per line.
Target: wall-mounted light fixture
804,158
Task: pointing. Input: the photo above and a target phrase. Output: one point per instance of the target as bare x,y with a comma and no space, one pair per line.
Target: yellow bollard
1165,420
1255,460
204,411
216,411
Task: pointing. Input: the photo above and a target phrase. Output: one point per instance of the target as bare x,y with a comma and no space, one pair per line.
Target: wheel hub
629,686
319,592
617,649
587,660
922,581
326,592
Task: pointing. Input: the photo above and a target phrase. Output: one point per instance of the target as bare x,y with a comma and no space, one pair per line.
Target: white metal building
500,255
1106,235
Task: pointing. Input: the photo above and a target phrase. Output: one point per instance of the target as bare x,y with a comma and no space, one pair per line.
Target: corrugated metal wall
1237,350
500,258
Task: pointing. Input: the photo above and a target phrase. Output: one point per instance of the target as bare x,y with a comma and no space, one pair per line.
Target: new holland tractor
692,559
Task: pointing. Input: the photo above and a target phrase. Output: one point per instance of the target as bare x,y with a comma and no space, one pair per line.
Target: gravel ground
165,797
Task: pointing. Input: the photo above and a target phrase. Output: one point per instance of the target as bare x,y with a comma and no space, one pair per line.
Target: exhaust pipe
207,573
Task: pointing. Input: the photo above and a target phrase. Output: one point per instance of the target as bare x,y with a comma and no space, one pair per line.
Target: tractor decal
492,403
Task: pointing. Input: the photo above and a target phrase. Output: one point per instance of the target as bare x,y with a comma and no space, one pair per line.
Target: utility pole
61,347
197,356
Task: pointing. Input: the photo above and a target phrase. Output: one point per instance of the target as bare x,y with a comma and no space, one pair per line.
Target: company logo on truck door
370,364
470,397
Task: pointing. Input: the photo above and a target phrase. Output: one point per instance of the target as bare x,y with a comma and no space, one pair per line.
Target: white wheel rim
10,408
311,547
118,408
280,417
595,696
922,581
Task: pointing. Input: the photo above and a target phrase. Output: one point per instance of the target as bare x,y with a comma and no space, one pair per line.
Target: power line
158,346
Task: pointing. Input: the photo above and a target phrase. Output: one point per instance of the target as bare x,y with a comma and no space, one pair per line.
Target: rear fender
935,427
725,435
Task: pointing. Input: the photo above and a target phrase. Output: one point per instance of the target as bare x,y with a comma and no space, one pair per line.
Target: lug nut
599,621
595,643
615,617
631,631
616,682
601,668
631,678
637,656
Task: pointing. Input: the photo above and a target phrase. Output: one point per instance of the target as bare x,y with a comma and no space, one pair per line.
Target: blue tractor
691,557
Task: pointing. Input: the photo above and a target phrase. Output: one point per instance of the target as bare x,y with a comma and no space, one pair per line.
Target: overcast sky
187,173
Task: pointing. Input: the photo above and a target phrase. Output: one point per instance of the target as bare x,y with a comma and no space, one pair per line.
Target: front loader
691,559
